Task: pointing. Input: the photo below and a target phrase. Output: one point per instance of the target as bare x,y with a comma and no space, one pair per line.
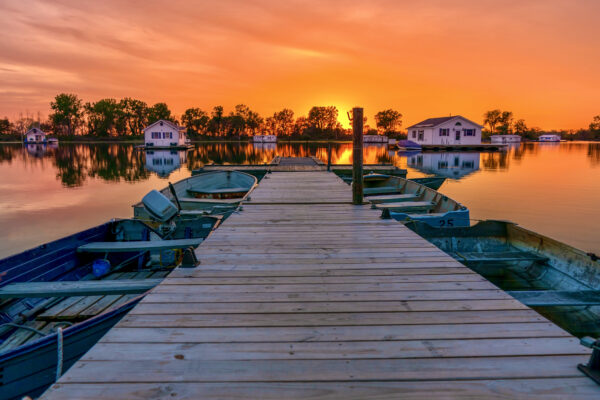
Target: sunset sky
538,58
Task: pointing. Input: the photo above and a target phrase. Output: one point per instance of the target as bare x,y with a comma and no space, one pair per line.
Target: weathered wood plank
333,333
177,370
498,389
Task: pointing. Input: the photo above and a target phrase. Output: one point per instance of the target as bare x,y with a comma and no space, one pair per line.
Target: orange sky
538,58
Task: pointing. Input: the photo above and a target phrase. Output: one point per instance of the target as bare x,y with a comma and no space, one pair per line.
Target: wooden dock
303,295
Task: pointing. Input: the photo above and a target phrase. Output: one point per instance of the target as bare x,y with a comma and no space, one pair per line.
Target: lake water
47,193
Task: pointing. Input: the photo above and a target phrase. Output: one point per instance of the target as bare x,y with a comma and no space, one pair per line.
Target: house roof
433,122
168,123
35,130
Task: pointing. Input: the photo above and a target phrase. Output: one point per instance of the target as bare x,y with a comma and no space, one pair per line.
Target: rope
59,362
27,328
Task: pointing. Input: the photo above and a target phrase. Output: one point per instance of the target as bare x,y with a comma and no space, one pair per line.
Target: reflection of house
36,149
163,162
35,135
503,139
164,134
264,145
445,130
450,165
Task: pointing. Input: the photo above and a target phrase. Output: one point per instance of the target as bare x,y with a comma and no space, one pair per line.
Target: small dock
464,147
303,295
302,164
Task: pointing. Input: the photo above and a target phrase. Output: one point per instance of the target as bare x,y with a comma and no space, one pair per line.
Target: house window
444,131
469,132
155,135
421,135
167,135
414,134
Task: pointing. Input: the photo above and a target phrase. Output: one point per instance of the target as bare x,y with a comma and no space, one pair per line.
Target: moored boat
68,293
208,192
405,200
557,280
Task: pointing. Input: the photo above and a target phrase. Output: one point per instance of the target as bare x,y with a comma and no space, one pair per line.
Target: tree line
499,122
127,118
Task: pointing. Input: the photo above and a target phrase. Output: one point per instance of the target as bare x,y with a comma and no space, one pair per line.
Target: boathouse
164,134
505,139
454,130
35,135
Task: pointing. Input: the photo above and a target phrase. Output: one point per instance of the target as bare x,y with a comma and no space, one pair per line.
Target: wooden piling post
357,155
328,156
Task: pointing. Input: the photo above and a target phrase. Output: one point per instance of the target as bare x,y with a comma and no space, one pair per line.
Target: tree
520,127
215,125
135,115
492,118
595,124
323,119
105,118
281,123
160,111
245,120
388,120
195,120
67,113
5,126
505,122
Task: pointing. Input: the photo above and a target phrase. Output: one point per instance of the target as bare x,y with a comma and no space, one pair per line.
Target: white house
375,139
450,165
35,135
264,139
445,130
164,133
163,162
549,138
503,139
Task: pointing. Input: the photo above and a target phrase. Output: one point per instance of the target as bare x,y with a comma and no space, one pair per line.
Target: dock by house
301,294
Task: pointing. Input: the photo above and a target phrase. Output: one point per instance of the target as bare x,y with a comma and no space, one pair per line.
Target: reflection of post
357,156
328,156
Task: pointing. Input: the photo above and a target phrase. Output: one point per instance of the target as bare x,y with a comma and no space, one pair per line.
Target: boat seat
411,206
208,201
381,190
557,298
391,198
116,247
216,191
498,256
77,288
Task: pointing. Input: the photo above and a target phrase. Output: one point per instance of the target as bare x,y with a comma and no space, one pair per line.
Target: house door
458,135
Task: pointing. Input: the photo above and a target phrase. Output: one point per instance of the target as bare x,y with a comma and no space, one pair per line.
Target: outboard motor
161,209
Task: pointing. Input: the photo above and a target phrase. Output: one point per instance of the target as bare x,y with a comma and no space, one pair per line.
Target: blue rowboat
405,200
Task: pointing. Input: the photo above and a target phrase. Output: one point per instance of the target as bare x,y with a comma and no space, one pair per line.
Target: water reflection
450,165
163,162
74,164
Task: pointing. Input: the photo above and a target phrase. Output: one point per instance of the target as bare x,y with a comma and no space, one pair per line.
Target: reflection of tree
495,160
111,162
519,151
593,153
8,152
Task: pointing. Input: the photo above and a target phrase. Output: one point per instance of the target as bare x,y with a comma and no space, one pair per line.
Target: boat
405,200
408,145
211,192
433,182
557,280
68,293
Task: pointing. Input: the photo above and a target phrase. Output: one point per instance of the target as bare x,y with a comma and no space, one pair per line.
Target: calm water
48,192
